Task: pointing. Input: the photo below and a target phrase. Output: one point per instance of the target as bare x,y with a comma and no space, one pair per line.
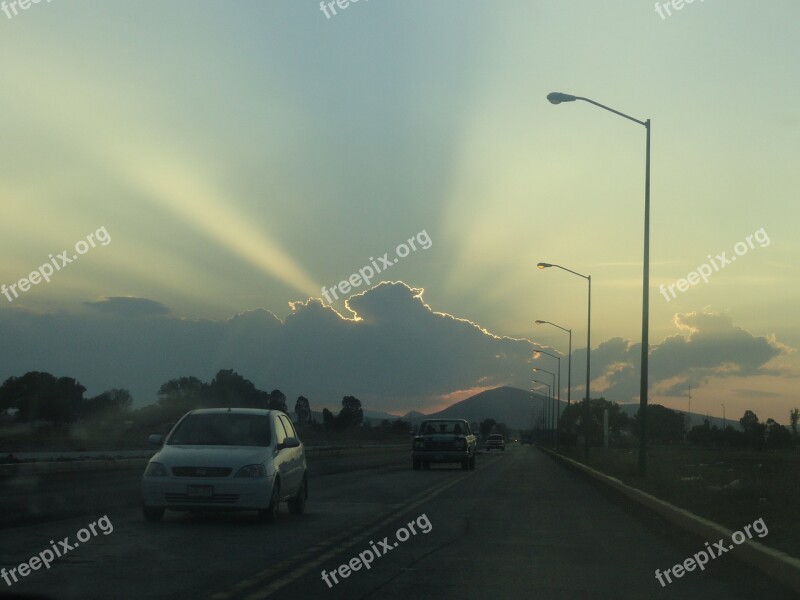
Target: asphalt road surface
519,526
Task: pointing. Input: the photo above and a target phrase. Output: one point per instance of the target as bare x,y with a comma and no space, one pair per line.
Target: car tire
472,462
152,514
465,464
270,514
503,448
417,464
297,505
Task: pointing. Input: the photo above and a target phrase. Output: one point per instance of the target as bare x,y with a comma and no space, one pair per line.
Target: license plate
200,491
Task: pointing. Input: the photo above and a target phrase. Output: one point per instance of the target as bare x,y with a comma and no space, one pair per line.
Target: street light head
544,265
538,322
558,98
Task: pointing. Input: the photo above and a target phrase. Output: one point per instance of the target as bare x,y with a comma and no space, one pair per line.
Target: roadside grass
729,486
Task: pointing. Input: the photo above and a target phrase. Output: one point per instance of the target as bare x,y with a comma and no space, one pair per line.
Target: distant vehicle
527,438
227,459
495,441
442,441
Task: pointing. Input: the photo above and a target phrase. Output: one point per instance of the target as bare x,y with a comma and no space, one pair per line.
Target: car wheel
297,505
503,448
472,462
152,514
270,514
465,464
417,464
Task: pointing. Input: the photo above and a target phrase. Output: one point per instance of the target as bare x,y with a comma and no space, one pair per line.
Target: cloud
707,345
389,348
126,306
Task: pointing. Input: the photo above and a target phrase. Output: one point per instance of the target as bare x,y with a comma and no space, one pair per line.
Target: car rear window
447,427
222,429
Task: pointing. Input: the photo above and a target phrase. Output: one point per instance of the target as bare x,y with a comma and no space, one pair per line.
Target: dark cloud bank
391,350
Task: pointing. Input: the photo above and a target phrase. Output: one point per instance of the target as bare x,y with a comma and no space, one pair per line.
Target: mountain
512,406
413,415
378,415
694,418
369,415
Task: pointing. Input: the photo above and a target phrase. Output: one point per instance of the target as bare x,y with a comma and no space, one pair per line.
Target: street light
545,403
558,401
553,421
689,413
558,98
587,412
724,423
569,363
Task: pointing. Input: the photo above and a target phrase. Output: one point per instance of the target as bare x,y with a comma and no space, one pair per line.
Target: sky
217,169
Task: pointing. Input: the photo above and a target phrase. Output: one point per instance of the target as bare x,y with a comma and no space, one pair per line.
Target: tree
229,389
573,416
486,427
700,434
327,419
794,415
401,426
277,401
777,436
180,395
302,410
110,403
351,413
40,396
753,430
663,424
182,391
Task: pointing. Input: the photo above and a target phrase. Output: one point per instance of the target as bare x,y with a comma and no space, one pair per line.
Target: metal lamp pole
558,98
553,422
587,411
545,403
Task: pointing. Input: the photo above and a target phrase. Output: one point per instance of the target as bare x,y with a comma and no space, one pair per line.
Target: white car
227,459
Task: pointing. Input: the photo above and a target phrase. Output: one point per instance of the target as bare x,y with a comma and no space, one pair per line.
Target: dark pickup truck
444,440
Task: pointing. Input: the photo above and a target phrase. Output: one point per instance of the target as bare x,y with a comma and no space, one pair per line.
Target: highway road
519,526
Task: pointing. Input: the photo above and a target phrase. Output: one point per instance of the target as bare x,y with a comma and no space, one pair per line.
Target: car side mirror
289,442
155,439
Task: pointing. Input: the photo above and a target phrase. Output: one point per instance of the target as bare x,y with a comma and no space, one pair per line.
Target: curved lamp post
553,421
569,362
543,265
558,98
548,395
